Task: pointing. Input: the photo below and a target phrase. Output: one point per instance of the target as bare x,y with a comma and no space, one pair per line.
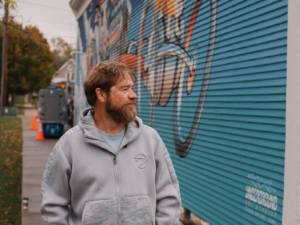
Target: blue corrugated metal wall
212,82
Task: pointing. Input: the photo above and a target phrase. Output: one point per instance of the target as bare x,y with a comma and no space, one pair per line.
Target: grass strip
11,170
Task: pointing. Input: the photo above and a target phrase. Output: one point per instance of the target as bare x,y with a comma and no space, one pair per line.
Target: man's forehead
124,78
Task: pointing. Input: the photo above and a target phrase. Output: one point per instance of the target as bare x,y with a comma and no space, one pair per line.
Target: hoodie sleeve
55,191
168,202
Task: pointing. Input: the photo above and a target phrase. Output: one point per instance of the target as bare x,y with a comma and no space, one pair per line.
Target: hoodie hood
93,136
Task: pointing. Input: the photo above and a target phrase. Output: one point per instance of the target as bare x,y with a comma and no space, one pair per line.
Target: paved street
35,156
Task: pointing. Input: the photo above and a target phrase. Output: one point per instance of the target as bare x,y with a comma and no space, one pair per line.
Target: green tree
12,3
62,49
31,63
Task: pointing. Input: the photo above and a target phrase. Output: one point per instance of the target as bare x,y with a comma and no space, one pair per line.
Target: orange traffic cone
40,133
33,123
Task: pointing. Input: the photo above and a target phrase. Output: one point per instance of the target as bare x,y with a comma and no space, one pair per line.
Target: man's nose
132,95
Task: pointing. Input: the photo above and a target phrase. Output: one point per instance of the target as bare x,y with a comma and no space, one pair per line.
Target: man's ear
101,95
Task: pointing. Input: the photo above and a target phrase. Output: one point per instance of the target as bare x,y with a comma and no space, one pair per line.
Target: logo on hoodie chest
141,160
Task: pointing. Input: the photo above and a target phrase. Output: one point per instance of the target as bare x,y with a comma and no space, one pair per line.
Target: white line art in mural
183,145
157,68
259,199
260,182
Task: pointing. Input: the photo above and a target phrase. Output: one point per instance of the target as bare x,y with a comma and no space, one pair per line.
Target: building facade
212,80
65,76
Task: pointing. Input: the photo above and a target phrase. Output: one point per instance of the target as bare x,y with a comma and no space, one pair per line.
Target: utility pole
4,61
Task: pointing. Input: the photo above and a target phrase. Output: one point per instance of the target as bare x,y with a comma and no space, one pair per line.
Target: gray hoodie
86,183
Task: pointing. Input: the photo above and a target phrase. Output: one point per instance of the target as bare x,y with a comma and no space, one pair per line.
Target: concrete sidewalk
35,156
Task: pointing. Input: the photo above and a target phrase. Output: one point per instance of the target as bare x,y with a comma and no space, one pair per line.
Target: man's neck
105,123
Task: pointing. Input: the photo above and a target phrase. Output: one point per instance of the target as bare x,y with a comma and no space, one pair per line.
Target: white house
65,76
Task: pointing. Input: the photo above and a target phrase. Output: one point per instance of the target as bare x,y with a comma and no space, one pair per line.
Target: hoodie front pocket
100,212
135,210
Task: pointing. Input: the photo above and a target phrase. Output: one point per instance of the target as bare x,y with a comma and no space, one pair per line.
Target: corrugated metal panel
228,124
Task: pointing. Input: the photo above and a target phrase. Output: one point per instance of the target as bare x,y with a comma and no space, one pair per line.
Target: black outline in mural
164,47
183,146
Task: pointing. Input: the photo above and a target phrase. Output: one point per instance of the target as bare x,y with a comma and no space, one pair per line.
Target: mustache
130,102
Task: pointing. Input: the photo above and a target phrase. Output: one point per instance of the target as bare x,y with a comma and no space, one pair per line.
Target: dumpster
53,111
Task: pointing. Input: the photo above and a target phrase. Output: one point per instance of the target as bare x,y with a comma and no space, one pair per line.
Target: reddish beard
125,113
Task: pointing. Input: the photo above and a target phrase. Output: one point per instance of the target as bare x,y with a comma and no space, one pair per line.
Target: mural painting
261,196
193,87
161,68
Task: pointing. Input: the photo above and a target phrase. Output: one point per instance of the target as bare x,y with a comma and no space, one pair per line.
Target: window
70,67
70,77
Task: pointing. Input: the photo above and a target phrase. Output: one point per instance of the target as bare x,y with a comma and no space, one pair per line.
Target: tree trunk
5,94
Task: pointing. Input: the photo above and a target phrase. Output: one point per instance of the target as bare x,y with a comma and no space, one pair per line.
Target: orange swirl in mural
114,37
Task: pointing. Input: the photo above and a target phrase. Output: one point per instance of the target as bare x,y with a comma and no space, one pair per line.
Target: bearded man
111,168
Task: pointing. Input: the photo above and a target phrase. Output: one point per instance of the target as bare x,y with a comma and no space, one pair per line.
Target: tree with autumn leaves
31,63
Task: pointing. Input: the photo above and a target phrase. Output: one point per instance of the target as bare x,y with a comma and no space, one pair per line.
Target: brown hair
105,75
